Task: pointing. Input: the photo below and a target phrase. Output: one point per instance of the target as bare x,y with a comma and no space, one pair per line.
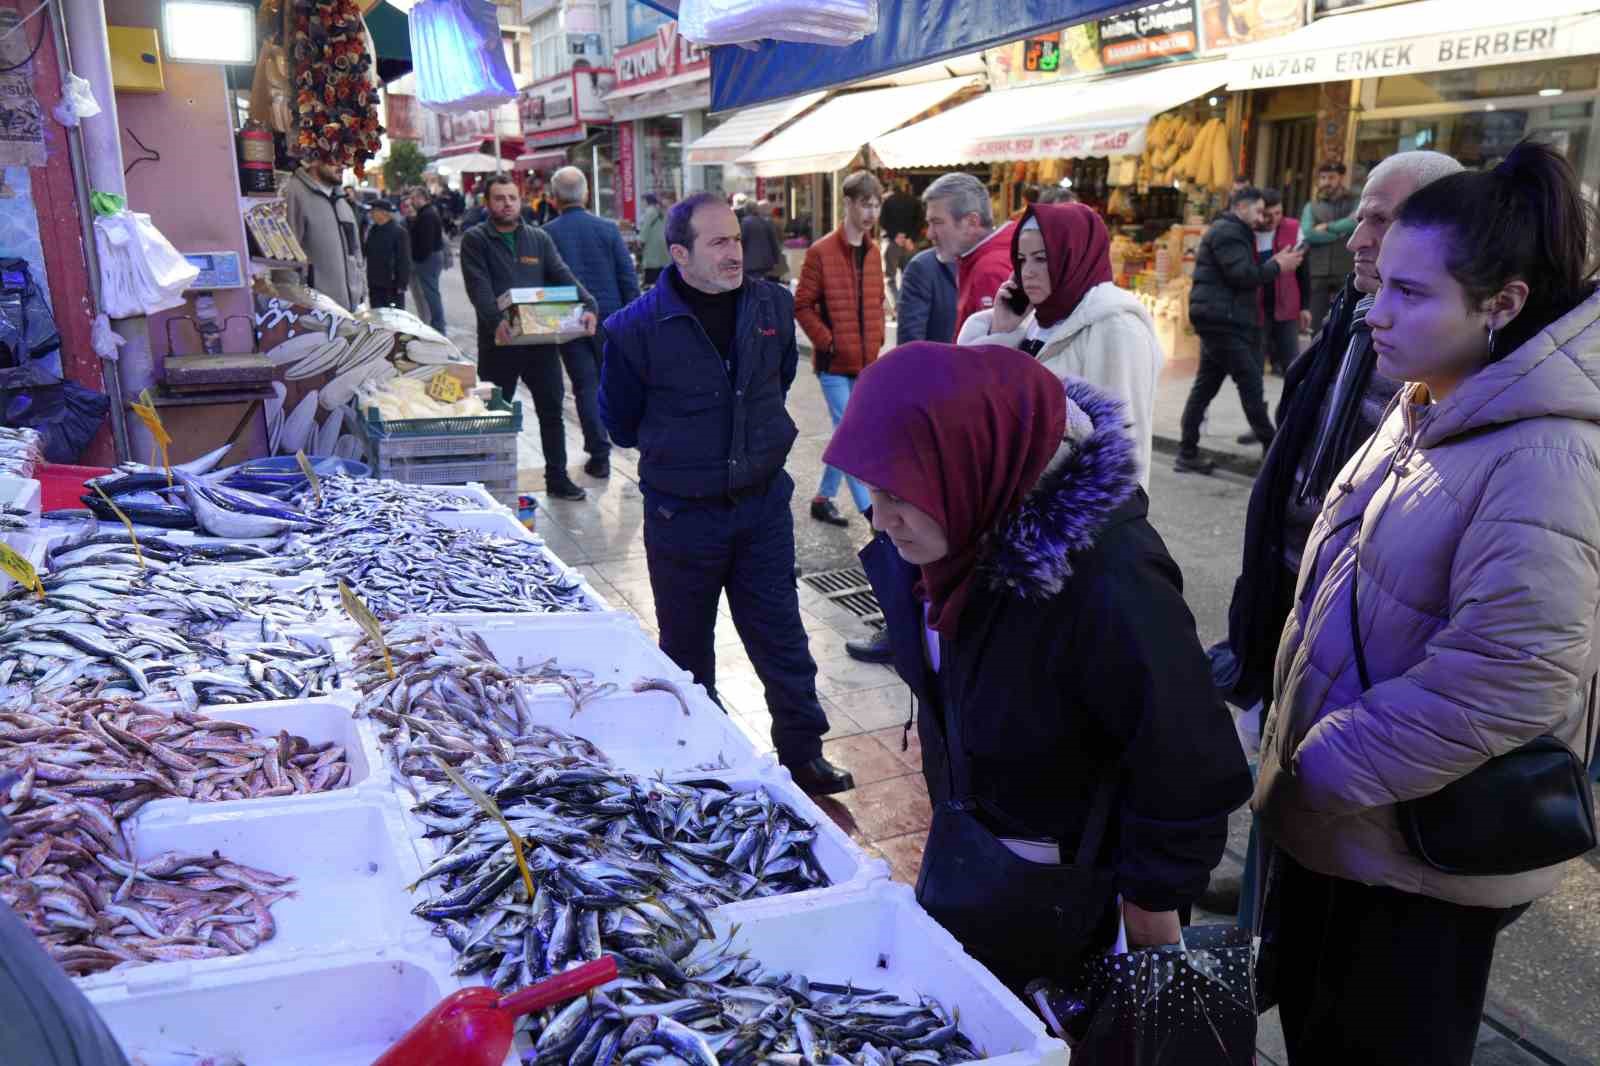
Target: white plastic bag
77,101
831,22
456,52
140,271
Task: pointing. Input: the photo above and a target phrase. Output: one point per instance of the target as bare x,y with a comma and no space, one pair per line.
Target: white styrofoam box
876,937
339,1009
318,719
31,548
483,499
21,494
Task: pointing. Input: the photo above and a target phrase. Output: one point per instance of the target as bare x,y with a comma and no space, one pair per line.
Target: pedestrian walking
1333,399
539,210
961,225
1075,320
1284,311
388,252
763,246
1447,617
927,307
1225,310
593,249
839,304
1326,222
428,254
1040,578
327,228
505,253
653,257
901,219
697,371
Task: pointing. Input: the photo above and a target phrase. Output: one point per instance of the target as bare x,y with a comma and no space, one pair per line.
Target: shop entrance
1292,161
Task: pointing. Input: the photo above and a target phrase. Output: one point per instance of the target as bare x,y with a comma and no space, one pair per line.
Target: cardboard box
564,294
544,323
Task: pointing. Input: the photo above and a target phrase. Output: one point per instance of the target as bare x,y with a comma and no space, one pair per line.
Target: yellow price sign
145,409
20,569
445,387
311,475
367,621
138,554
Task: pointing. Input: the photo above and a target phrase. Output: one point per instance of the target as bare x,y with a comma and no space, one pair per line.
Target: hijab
961,434
1079,250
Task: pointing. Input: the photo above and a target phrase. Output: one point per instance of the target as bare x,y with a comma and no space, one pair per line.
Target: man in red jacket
839,304
961,226
1286,303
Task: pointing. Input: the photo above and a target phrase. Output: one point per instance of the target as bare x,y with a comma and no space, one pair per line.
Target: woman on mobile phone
1062,306
1445,617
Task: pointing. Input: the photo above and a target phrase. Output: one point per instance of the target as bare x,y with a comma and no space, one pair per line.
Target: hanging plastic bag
458,58
140,271
77,101
831,22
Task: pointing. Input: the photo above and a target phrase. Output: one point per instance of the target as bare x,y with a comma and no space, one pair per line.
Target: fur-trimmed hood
1031,552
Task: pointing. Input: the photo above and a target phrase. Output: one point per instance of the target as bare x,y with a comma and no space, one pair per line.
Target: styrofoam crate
21,494
877,937
483,498
319,720
340,1009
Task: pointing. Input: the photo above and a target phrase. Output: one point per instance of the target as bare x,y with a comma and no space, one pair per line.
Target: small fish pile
220,506
452,701
126,754
620,865
346,498
715,1007
111,545
21,449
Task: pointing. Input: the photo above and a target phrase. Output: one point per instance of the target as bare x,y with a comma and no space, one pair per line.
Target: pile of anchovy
345,497
451,702
73,774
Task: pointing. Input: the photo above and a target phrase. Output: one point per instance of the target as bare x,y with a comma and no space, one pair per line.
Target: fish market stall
254,832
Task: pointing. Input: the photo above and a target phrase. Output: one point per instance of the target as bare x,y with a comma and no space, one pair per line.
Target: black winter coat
427,233
388,253
1077,656
1227,278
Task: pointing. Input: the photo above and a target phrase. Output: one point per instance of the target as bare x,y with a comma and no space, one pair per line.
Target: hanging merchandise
30,347
336,104
831,22
140,271
77,101
456,52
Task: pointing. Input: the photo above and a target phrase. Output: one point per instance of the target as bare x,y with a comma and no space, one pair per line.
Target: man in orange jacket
839,304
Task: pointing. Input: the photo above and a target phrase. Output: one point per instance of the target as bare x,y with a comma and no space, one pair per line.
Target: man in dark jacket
763,248
427,252
502,254
593,248
388,252
540,210
1225,308
697,371
927,308
901,220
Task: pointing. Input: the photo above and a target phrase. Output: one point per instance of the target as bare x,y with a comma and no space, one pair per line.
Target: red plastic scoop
474,1027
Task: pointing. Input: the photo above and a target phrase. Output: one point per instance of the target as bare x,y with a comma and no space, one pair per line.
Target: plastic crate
507,418
465,446
61,484
450,471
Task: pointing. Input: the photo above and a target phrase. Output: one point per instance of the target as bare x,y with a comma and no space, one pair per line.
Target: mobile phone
1017,300
1302,245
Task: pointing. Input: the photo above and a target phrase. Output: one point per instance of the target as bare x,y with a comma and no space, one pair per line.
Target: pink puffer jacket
1479,596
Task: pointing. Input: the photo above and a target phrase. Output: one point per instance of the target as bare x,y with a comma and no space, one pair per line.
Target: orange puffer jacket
846,331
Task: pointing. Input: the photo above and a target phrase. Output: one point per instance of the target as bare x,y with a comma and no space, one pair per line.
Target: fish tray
504,417
502,522
21,494
876,937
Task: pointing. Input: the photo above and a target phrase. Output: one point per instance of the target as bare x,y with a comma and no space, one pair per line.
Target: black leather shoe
875,650
825,511
565,489
599,467
819,777
1193,464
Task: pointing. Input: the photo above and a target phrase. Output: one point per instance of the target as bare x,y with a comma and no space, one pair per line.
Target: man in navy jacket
696,374
593,249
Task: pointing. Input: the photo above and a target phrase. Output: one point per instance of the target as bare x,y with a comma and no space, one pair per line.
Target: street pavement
1544,997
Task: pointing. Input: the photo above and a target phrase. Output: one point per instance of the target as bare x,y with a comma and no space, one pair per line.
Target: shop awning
746,129
910,34
1104,117
1421,37
391,39
542,161
829,137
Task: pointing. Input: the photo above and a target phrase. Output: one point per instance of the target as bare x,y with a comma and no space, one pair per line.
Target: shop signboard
1228,24
1156,33
557,110
663,56
1333,7
626,194
1514,42
1114,139
400,117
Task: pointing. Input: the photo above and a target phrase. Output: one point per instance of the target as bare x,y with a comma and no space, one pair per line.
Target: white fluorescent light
209,31
1549,92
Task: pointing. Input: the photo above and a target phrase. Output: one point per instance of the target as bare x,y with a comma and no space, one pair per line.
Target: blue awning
911,33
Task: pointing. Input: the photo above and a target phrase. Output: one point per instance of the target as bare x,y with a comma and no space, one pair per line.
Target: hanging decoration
336,103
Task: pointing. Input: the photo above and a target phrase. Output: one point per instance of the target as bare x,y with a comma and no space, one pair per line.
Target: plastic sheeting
460,63
910,33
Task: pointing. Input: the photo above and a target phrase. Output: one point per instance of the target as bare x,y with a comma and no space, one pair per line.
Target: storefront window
661,156
1478,138
1482,83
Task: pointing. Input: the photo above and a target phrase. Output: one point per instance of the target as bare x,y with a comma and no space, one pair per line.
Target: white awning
746,129
468,163
1418,38
1062,119
829,137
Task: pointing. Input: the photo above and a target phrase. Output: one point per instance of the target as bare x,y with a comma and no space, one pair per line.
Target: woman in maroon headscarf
1074,318
1048,635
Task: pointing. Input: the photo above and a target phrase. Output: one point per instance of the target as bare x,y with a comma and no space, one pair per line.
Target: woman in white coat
1073,318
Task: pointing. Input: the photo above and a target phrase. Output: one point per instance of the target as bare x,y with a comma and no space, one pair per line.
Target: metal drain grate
849,589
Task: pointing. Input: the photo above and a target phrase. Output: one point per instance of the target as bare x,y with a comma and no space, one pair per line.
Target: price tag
20,569
311,475
145,409
445,387
367,621
138,554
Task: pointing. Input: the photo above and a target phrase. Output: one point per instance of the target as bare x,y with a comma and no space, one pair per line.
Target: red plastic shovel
474,1027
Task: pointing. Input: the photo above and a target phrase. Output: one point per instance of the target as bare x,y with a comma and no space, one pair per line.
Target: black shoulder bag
1521,811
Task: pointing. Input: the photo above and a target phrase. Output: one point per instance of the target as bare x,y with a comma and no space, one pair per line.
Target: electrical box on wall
135,59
